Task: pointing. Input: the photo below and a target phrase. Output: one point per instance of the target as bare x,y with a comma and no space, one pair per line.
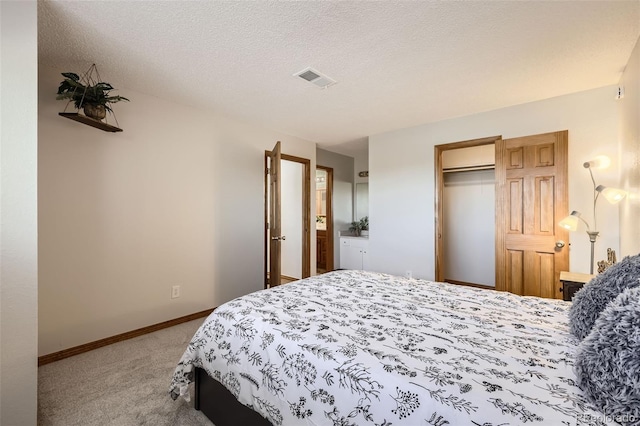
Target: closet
468,215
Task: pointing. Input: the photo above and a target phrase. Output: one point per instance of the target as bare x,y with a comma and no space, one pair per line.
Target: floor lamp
612,195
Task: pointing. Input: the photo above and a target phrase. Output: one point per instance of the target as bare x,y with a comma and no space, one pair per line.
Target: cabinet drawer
355,242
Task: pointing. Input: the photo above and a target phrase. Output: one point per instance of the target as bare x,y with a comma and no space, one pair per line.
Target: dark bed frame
220,406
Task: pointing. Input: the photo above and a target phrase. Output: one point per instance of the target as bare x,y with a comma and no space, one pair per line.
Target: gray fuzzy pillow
607,363
597,293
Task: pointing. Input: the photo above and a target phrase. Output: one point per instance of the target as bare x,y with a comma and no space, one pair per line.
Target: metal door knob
560,244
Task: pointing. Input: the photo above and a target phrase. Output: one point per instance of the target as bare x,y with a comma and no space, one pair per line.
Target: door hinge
267,171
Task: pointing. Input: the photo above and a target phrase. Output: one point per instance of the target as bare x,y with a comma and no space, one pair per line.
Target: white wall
18,213
360,164
291,219
342,166
401,163
177,198
630,155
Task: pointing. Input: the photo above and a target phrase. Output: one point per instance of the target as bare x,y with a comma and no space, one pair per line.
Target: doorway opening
293,214
324,220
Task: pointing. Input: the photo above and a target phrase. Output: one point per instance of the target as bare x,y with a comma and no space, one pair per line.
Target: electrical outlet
408,274
175,291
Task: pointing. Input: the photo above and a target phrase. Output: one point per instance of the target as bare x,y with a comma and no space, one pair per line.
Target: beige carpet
123,384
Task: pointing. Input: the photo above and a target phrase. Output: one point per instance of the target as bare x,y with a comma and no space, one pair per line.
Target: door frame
439,191
306,212
329,219
561,204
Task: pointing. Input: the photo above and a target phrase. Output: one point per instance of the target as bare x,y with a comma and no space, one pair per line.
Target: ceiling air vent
315,77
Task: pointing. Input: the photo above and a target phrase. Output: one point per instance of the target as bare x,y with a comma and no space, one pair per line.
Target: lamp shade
570,222
600,162
612,195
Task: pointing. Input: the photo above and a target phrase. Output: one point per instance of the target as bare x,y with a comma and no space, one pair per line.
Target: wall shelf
90,121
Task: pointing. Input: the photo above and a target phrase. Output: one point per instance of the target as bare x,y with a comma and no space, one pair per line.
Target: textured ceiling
397,64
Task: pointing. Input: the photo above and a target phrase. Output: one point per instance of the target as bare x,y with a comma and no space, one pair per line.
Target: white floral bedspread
361,348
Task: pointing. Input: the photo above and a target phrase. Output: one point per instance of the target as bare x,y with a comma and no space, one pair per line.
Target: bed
363,348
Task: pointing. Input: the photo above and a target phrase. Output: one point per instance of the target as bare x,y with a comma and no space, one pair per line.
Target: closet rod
469,168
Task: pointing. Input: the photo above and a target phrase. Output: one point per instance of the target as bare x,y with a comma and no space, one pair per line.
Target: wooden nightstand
572,282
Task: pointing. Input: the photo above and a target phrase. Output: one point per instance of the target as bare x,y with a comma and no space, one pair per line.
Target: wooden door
531,198
321,250
275,238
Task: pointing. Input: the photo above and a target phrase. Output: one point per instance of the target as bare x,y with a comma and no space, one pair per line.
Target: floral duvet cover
363,348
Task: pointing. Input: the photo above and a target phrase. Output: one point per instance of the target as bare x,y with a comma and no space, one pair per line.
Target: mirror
362,201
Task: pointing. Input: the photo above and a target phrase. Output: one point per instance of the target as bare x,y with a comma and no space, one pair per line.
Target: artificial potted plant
94,99
360,225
